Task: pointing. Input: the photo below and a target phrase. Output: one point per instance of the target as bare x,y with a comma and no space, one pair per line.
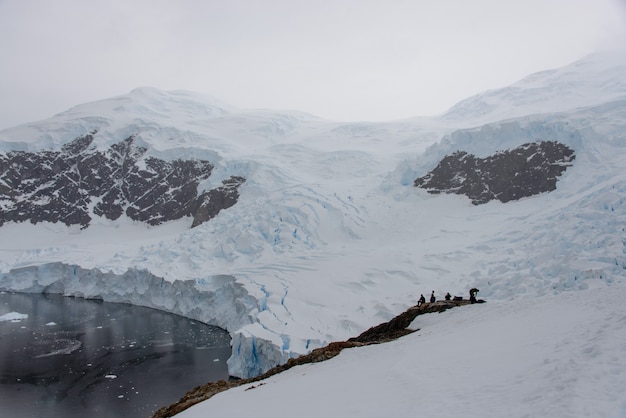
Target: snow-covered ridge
329,236
590,81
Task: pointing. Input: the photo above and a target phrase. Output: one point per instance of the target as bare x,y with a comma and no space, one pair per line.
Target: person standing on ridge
472,293
432,297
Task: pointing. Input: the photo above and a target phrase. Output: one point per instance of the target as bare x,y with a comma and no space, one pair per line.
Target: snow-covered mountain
328,235
592,81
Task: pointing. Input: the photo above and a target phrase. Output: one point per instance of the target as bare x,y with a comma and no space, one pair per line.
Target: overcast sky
340,59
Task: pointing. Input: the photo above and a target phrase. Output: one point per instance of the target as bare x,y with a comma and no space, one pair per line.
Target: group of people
422,299
473,291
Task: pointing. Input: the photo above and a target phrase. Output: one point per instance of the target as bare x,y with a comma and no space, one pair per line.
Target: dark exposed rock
397,327
80,181
508,175
211,202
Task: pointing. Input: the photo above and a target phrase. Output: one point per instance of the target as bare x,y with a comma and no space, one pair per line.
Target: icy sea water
81,358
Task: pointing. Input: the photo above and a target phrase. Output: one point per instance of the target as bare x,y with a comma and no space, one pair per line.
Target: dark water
78,358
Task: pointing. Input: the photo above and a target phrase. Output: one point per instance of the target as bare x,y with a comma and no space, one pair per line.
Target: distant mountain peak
595,79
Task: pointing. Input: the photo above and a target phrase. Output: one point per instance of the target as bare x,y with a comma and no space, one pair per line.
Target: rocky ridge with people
388,331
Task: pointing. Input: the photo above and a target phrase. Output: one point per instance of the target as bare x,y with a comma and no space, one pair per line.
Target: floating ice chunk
66,347
13,317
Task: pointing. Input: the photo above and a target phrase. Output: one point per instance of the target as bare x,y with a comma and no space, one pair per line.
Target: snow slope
329,237
550,91
553,356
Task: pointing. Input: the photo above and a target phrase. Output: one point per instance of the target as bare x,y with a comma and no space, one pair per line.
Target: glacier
329,237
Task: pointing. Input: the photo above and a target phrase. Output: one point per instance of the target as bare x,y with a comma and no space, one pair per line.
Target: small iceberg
13,317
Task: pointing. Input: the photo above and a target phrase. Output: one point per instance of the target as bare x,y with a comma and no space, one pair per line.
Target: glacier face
329,236
217,300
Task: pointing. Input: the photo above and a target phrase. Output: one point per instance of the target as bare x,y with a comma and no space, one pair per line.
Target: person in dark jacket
421,300
432,297
472,293
448,296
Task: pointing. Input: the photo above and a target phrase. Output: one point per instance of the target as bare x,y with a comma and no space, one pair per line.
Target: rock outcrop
525,171
73,185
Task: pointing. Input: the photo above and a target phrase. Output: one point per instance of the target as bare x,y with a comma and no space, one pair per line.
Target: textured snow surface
329,237
549,91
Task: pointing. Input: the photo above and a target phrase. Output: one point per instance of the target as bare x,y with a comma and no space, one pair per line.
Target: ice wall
216,300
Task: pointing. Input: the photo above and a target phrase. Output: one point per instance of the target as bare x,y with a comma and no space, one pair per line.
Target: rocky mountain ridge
78,182
524,171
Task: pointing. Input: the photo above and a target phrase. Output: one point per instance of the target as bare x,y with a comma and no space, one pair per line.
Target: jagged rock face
508,175
78,182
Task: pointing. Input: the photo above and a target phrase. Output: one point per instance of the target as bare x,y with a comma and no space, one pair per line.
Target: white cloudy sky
339,59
